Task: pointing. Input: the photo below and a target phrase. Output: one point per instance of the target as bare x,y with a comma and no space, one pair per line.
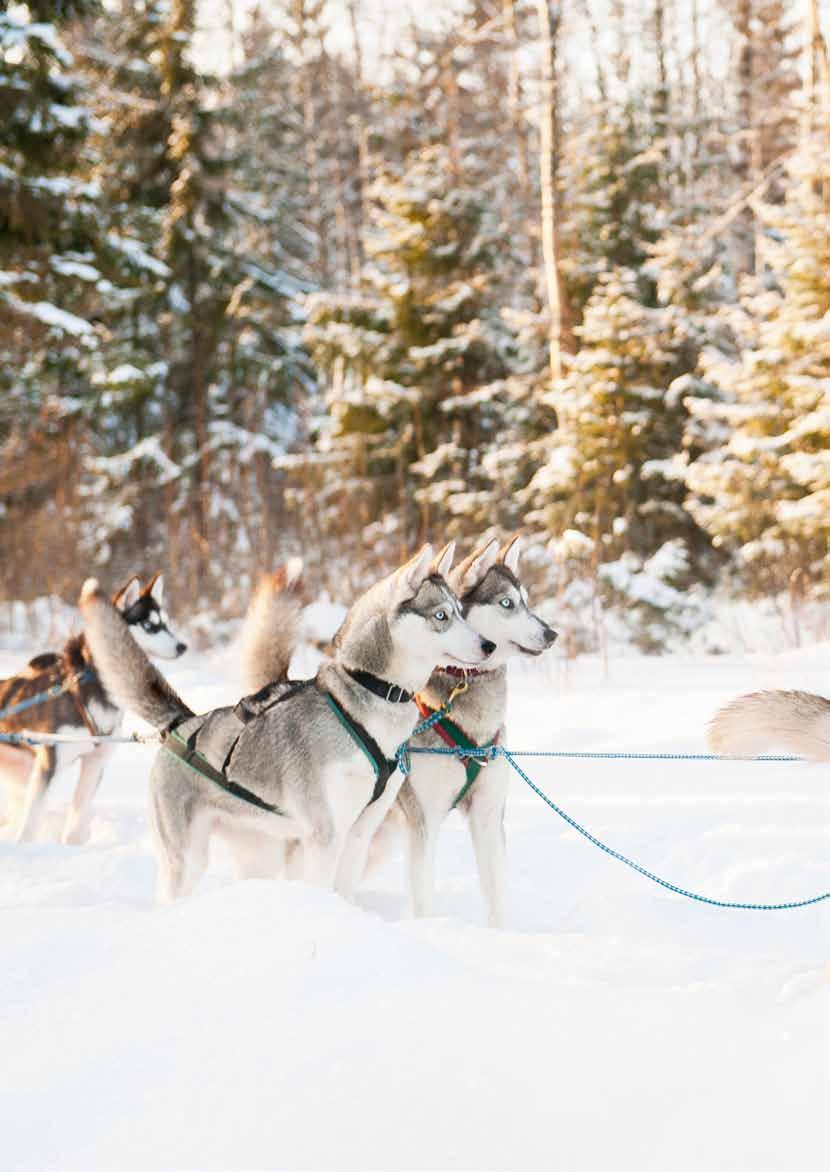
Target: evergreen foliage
412,362
762,487
301,304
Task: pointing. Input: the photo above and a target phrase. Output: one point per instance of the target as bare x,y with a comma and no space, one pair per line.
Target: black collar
391,692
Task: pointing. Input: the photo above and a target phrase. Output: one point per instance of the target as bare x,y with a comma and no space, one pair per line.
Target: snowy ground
271,1026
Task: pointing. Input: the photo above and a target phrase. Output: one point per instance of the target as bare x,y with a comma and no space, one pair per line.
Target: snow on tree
414,363
202,377
762,486
49,282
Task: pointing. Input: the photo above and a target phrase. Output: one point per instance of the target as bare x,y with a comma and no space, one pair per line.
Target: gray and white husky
762,721
495,603
84,706
292,754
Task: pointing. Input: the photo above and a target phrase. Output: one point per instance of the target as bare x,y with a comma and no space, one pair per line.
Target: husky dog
84,706
272,625
760,721
496,605
304,762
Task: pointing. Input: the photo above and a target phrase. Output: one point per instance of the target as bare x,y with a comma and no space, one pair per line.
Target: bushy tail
796,721
127,674
271,628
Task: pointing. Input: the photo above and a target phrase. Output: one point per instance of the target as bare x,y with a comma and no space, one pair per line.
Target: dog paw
75,835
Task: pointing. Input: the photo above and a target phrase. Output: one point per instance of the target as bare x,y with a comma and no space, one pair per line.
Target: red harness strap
455,738
442,730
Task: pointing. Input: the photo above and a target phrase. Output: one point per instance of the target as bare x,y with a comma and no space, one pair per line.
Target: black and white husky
84,706
495,603
313,762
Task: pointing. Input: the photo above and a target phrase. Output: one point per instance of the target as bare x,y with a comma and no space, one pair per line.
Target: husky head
143,614
409,622
495,602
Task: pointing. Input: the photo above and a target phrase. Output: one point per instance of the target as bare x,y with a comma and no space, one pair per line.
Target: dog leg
321,852
486,819
255,855
294,859
352,865
181,870
181,834
43,770
76,826
421,839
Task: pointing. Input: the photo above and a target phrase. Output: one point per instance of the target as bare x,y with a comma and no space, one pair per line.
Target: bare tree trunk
661,98
361,138
514,94
697,76
593,31
622,59
561,338
311,131
347,268
449,83
744,168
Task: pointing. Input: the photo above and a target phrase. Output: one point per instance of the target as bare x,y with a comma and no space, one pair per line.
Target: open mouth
527,650
466,662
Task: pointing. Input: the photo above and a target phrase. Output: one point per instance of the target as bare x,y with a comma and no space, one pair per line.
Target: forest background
333,277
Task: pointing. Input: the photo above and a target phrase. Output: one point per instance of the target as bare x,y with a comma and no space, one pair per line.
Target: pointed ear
511,552
124,598
406,581
155,588
475,566
441,564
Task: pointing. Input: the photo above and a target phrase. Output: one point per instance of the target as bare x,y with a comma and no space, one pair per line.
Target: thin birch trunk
361,137
744,168
593,32
560,337
311,131
514,95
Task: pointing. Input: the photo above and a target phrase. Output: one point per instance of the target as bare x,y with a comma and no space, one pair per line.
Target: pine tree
411,363
201,376
762,487
48,280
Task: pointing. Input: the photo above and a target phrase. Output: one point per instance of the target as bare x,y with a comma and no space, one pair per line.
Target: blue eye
507,603
440,616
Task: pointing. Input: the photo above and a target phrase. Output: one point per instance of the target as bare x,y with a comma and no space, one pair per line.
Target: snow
74,268
119,468
137,255
51,315
17,29
271,1025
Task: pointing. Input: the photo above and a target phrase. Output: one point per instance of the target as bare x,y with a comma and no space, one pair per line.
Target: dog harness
186,751
224,739
455,737
383,766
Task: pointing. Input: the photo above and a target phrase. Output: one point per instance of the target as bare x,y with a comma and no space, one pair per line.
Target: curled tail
760,721
127,674
271,628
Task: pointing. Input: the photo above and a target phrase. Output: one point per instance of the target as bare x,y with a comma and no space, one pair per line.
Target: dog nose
550,635
487,646
181,648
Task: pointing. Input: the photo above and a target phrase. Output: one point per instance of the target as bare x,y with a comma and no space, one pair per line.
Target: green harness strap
383,766
454,736
191,757
187,752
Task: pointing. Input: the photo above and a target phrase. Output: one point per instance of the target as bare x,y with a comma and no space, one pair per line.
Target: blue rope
402,753
42,697
493,751
601,756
